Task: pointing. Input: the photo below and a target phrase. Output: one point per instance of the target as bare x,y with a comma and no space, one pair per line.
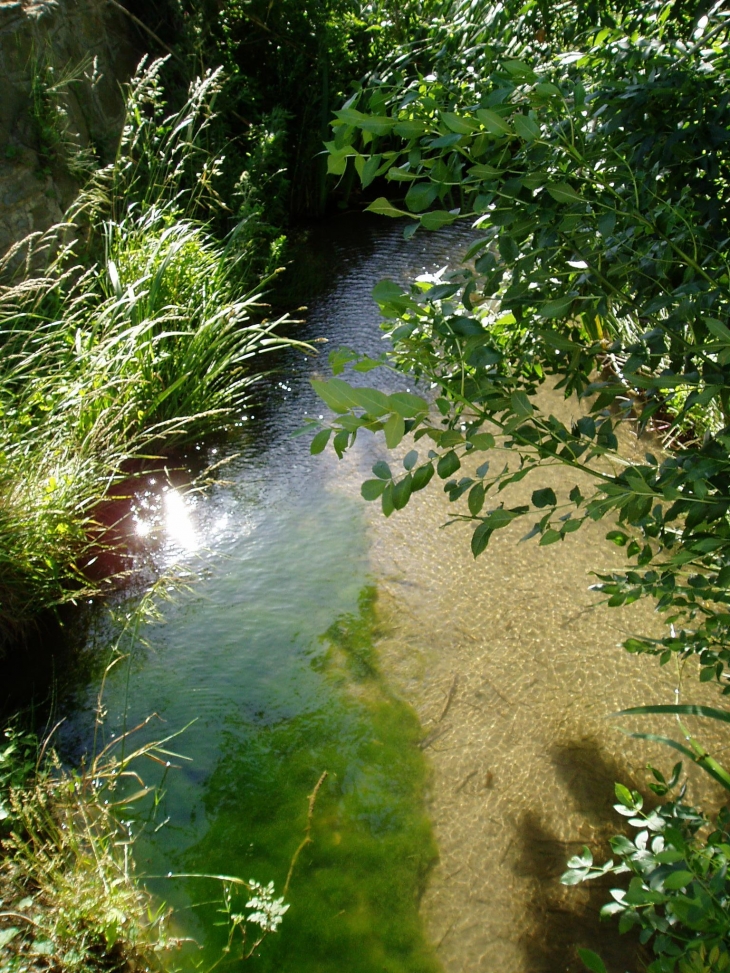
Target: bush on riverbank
590,151
289,64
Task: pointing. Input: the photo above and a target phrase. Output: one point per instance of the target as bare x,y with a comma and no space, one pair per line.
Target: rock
61,69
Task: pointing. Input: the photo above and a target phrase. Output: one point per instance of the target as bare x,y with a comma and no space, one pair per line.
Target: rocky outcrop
62,63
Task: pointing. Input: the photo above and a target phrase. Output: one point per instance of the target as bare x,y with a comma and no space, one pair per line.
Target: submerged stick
433,737
449,697
307,836
465,781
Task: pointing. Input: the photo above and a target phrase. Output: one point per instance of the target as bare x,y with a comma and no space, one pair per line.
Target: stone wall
62,63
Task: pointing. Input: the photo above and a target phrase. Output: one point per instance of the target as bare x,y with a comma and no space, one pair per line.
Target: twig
433,737
46,742
449,697
495,690
440,942
465,781
307,837
18,915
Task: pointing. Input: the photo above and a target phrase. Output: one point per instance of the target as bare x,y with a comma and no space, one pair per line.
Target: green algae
355,890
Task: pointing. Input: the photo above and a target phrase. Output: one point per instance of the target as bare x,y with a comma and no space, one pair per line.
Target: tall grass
69,899
126,331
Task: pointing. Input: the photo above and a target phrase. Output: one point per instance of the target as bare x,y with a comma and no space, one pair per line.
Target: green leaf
387,500
563,193
574,876
422,476
340,442
350,116
606,224
669,857
376,124
409,128
617,537
435,219
550,536
486,173
400,175
446,141
482,440
544,498
636,645
546,90
374,402
384,207
366,364
336,164
624,795
448,464
717,328
458,123
320,441
476,499
410,460
336,393
394,429
520,404
420,196
372,489
493,122
723,577
557,308
499,518
386,291
402,492
508,249
341,357
678,880
7,936
520,70
526,127
480,539
382,470
370,170
592,961
407,404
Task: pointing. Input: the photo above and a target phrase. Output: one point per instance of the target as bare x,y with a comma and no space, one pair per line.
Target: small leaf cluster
366,408
678,895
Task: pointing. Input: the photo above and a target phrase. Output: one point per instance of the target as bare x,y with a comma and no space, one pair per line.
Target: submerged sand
515,669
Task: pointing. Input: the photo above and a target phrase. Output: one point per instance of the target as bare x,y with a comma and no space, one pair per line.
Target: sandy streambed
514,669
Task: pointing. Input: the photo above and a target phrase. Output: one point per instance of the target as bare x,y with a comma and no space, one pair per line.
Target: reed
68,895
127,331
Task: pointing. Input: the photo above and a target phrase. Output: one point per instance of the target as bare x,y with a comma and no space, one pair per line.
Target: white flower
268,911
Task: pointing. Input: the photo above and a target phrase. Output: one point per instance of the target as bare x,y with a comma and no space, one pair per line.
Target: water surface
273,653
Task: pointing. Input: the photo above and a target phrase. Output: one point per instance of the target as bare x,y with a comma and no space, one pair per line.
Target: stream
458,708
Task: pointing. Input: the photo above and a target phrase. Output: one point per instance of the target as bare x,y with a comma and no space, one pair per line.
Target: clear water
273,654
319,636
